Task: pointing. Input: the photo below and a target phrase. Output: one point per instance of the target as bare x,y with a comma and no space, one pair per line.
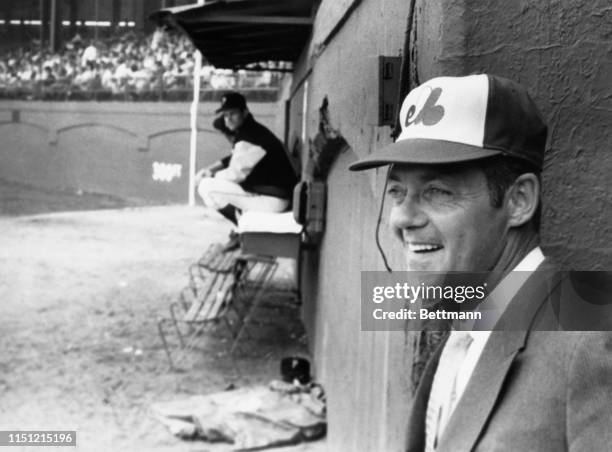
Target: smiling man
447,218
464,186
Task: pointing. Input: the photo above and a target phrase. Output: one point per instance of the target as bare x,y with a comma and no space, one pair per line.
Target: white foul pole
193,142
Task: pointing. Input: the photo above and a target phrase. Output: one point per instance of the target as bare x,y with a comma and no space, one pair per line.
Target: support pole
96,12
55,26
41,36
74,16
45,12
52,25
116,14
193,142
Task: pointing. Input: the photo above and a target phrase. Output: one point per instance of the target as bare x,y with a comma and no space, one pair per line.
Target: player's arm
213,169
244,158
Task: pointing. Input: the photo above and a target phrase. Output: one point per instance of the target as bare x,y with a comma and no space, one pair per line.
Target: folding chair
213,262
224,287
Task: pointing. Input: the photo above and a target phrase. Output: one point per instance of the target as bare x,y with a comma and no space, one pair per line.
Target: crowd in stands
126,67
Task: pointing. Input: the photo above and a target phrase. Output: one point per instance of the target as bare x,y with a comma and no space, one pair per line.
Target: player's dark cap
232,101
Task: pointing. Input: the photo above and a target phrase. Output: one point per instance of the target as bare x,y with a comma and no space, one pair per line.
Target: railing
130,95
180,89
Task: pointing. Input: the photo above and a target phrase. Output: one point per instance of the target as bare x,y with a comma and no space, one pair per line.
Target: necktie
442,397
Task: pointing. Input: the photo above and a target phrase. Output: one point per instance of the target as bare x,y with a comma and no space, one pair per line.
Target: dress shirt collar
496,303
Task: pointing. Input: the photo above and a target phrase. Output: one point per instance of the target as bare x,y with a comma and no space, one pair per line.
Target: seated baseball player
257,175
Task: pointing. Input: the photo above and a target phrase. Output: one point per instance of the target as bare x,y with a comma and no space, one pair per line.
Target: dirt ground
80,294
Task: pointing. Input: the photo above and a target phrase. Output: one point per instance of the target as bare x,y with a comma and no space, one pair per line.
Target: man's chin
421,266
425,262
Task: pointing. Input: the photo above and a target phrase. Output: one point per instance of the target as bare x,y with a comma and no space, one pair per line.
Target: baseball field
83,279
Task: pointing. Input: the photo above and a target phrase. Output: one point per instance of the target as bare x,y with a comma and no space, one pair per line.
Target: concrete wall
559,49
363,372
130,150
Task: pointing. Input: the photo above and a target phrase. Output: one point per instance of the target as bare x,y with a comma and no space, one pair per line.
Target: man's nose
408,215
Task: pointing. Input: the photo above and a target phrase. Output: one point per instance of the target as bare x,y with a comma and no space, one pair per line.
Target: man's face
234,118
444,218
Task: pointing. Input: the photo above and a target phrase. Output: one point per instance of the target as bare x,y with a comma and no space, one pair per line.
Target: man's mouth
422,247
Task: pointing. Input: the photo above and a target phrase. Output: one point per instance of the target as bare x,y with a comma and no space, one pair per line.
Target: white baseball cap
457,119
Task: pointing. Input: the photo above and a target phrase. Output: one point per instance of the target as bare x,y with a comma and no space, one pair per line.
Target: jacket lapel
480,395
476,404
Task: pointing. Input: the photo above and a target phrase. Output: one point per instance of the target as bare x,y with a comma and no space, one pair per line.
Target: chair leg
265,274
162,335
175,323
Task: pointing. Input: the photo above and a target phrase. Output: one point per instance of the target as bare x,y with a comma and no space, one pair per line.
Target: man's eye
395,191
437,192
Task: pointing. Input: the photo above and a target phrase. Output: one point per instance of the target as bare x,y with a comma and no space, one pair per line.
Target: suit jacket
532,389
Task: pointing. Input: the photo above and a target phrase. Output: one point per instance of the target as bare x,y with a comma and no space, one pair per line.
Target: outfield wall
130,150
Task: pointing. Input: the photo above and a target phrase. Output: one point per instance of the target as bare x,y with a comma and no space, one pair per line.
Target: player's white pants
218,193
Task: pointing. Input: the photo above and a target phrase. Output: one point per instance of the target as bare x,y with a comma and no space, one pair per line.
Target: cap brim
424,151
230,107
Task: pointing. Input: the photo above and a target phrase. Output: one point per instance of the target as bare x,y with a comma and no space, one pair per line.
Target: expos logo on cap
455,119
429,112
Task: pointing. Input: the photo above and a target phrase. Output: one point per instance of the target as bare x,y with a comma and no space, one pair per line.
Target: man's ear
522,199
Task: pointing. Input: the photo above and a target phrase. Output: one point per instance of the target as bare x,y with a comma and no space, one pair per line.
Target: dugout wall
560,50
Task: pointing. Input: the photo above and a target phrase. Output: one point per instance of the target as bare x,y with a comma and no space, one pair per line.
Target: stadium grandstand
104,50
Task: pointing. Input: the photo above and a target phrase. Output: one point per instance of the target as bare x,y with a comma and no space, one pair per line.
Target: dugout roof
234,34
